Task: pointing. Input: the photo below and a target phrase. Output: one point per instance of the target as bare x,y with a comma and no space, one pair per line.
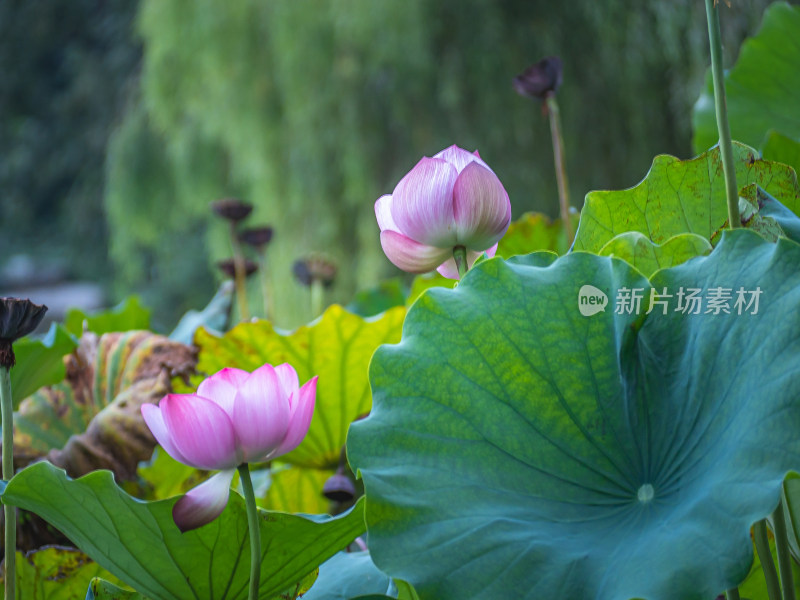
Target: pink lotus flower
235,417
453,199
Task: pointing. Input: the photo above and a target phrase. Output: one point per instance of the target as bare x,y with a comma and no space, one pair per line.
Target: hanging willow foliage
311,110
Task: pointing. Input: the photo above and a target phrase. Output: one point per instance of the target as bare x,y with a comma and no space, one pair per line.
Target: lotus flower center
645,493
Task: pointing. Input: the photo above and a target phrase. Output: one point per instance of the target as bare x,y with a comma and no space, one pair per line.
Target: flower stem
782,547
255,530
721,106
265,291
239,275
561,164
732,594
460,256
765,556
317,296
7,408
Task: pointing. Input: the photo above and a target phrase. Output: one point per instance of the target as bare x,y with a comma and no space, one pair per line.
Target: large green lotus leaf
519,449
781,148
99,589
680,196
92,419
637,250
126,316
337,347
40,362
139,542
54,573
763,87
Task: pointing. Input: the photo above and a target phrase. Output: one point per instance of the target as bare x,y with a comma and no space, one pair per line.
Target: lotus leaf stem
7,412
239,275
561,164
765,556
721,107
782,547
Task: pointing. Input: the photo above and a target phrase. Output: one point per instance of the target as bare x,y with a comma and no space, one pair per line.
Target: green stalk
239,275
265,292
317,296
732,594
784,558
7,412
561,164
460,256
765,556
721,106
255,530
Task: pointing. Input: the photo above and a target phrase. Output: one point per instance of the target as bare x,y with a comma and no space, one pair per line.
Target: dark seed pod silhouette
228,267
18,318
541,79
232,209
256,237
314,267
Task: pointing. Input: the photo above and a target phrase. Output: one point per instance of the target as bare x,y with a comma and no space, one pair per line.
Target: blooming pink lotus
235,417
453,199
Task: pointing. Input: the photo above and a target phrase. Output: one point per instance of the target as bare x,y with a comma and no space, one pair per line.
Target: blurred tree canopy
67,68
312,109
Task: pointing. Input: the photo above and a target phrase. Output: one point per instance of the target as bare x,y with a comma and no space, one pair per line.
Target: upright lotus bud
232,209
448,202
541,79
18,318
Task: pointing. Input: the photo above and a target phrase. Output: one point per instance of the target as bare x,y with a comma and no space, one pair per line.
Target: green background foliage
762,88
311,111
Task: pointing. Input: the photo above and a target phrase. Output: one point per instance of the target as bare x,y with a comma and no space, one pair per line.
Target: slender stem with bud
721,106
255,530
561,164
7,408
239,275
